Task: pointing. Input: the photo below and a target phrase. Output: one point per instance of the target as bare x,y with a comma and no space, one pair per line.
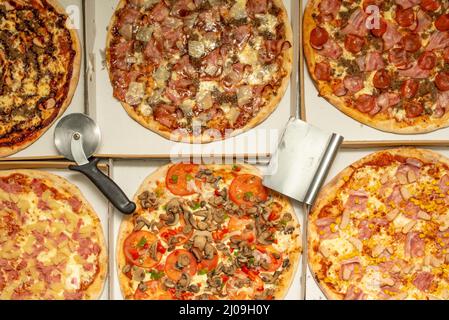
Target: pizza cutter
303,159
77,138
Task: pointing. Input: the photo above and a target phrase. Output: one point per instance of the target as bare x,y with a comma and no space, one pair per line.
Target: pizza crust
127,227
8,151
96,288
329,191
425,125
263,114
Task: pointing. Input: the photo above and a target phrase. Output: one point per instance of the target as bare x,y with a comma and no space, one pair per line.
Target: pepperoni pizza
380,229
208,232
199,70
383,63
51,240
39,70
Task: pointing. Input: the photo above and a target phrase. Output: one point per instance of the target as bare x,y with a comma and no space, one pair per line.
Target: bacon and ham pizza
208,232
391,75
199,70
39,70
51,240
380,229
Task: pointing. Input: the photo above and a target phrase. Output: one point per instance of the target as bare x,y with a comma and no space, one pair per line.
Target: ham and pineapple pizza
380,229
51,240
199,70
383,63
39,70
208,232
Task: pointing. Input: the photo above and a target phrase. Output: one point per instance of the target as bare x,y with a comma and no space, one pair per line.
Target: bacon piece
414,246
213,63
438,40
323,71
119,51
272,49
405,4
257,6
392,36
357,24
242,34
415,72
374,61
442,104
387,99
153,51
353,83
338,88
129,16
330,7
165,115
354,293
424,21
423,280
348,267
331,49
160,12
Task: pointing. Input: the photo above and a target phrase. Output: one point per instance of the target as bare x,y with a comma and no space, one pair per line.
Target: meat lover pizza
39,70
380,229
383,63
199,70
208,232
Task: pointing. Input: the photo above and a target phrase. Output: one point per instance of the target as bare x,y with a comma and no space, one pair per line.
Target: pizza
208,232
39,70
51,240
380,229
383,63
199,70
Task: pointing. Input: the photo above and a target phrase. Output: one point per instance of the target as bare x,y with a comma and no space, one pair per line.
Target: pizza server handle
108,187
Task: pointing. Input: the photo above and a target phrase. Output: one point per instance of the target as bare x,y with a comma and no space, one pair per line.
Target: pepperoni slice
318,37
382,79
246,189
442,23
413,109
354,43
409,88
405,17
365,103
427,60
430,5
178,179
398,57
136,248
442,80
411,42
379,32
323,71
179,262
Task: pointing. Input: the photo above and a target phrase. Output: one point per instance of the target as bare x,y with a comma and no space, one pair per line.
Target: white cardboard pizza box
44,147
96,199
318,111
128,139
129,174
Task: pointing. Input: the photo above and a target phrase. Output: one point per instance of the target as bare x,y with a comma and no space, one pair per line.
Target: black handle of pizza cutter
108,187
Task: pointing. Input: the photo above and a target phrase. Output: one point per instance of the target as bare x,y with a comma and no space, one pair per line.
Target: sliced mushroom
268,278
209,251
153,250
197,254
138,274
265,238
184,281
168,283
199,242
183,261
126,268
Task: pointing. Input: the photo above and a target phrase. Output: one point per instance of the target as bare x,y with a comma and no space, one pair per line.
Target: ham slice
357,201
391,36
424,21
444,184
353,83
331,49
415,72
324,228
442,102
330,7
354,293
372,61
386,100
348,267
405,4
423,280
356,24
414,246
438,40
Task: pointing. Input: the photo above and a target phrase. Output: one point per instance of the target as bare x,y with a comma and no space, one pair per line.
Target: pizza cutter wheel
77,138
